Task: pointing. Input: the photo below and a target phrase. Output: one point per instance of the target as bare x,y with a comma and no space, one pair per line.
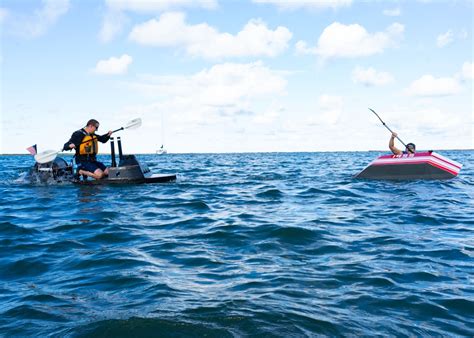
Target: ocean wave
241,245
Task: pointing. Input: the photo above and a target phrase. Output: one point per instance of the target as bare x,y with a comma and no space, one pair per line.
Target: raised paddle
398,138
49,155
133,124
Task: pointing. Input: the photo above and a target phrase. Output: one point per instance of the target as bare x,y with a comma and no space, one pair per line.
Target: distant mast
162,149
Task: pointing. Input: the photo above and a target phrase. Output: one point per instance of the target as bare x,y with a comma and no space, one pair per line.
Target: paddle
398,138
49,155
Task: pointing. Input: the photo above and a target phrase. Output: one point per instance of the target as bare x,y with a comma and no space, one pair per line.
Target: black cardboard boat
127,171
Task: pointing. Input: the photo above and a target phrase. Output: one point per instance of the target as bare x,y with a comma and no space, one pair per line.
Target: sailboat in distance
162,149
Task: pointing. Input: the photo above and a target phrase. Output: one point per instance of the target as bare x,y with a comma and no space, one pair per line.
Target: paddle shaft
398,138
51,155
114,131
132,124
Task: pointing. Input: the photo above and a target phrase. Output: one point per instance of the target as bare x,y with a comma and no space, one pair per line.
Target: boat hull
419,166
130,171
154,178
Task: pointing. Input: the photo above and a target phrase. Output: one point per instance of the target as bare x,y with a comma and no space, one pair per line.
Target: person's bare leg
97,174
86,173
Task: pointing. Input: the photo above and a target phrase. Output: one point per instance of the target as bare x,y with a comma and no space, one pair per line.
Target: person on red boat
84,141
410,147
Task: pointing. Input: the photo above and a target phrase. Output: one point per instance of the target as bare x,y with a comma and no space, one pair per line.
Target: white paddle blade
135,123
46,156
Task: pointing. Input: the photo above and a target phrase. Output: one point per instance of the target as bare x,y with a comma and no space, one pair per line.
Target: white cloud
426,118
392,12
297,4
112,25
468,70
42,19
3,15
221,85
113,65
428,85
224,91
156,6
115,18
210,110
450,36
463,35
329,110
349,41
371,77
171,30
444,39
269,116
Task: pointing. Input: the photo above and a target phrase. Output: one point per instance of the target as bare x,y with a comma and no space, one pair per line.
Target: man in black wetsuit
84,141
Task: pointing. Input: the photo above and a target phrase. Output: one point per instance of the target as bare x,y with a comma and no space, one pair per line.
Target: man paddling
84,141
410,147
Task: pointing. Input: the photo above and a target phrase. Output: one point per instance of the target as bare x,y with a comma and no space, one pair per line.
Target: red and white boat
419,166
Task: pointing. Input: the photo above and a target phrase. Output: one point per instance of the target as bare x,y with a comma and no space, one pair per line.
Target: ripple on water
241,245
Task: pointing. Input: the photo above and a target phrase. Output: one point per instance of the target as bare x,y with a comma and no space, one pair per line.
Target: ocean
241,245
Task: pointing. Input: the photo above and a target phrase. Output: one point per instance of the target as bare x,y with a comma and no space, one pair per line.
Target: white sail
162,149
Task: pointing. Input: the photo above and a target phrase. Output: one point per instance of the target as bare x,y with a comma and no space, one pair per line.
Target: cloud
370,77
113,65
270,115
222,85
115,18
41,20
212,109
112,25
467,70
221,92
297,4
3,15
350,41
444,39
150,6
463,35
171,30
450,36
392,12
428,85
329,108
267,117
431,119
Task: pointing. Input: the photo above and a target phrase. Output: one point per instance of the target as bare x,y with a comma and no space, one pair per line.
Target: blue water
241,245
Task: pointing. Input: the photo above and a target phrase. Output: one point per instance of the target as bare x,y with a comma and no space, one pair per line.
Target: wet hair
92,122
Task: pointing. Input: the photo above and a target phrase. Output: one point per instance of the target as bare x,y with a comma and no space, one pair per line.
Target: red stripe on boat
449,162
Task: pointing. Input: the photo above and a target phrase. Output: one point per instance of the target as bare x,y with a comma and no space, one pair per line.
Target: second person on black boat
84,141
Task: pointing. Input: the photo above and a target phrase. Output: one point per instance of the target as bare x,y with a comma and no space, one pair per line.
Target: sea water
259,244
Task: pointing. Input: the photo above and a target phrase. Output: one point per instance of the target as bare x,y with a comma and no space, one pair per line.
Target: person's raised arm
104,138
391,145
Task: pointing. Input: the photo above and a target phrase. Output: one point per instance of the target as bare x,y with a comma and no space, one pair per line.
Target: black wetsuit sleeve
103,138
76,139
